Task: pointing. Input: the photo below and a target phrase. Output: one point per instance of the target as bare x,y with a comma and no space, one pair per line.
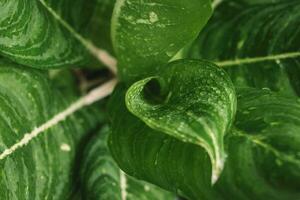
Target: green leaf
99,26
98,29
103,179
67,84
166,145
76,13
42,167
267,31
263,152
147,34
154,156
264,160
196,105
255,2
31,33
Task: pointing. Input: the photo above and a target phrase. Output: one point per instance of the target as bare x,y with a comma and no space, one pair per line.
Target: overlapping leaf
43,168
191,108
102,178
31,35
263,153
255,2
147,34
154,156
99,30
197,105
264,161
254,30
76,13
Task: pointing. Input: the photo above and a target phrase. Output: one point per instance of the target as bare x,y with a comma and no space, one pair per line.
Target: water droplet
65,147
153,17
146,188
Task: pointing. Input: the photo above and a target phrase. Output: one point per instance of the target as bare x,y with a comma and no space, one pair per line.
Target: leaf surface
263,161
99,30
103,179
154,156
196,104
263,152
172,133
43,168
31,34
265,29
147,34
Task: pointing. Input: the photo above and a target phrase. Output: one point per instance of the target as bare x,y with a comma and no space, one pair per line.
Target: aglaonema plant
203,99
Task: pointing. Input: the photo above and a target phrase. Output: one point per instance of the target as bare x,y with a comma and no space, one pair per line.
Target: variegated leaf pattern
156,157
103,179
263,151
193,101
259,42
43,168
34,33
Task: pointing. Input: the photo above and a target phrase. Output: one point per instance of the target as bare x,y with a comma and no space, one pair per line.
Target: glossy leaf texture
264,161
44,167
76,13
31,35
98,29
102,178
242,30
263,152
189,108
196,104
154,156
255,2
147,34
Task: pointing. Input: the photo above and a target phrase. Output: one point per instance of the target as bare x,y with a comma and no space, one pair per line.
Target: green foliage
154,156
155,136
263,160
196,104
45,167
154,31
101,33
262,148
276,31
32,36
177,124
103,179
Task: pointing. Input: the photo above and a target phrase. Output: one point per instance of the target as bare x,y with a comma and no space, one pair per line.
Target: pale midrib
95,95
277,153
102,55
123,185
111,62
259,141
251,60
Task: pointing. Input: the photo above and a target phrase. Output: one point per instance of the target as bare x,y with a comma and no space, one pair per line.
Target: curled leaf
156,157
193,101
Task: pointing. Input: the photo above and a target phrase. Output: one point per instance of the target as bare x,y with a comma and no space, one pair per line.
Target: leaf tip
217,169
